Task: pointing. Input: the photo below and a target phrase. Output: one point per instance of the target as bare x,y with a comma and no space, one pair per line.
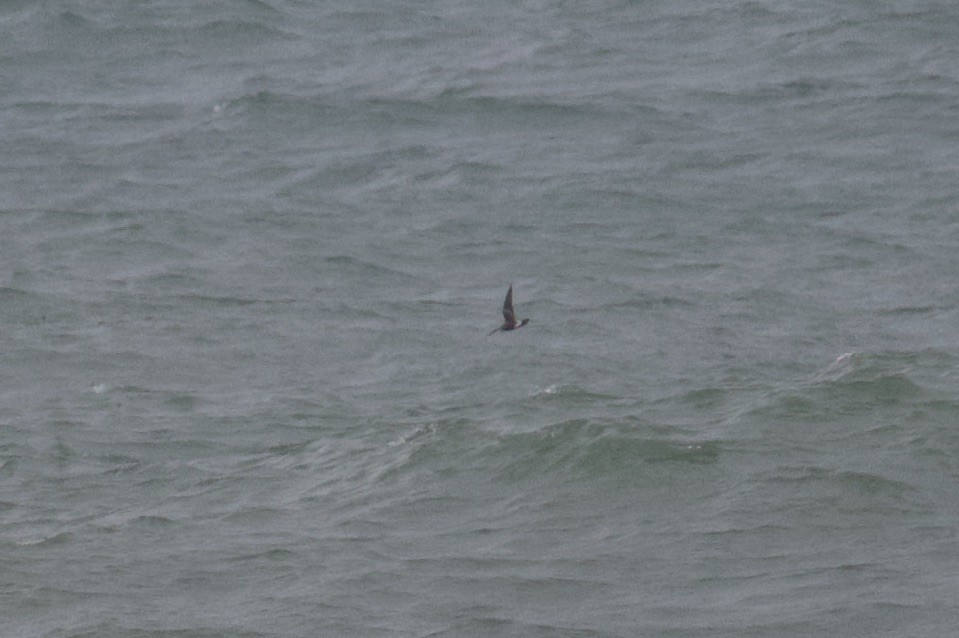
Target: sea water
251,251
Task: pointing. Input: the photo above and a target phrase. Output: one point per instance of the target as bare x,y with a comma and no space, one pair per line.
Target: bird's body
509,316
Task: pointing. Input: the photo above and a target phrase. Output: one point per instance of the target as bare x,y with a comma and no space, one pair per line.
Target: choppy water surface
250,253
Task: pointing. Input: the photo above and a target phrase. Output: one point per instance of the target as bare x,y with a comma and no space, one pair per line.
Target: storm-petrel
508,314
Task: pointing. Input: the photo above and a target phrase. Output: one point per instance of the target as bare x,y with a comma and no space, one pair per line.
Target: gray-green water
250,253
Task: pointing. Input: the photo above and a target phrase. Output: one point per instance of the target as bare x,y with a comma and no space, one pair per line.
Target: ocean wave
567,451
571,393
797,488
853,383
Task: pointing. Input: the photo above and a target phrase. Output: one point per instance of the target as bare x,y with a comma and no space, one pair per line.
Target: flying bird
508,315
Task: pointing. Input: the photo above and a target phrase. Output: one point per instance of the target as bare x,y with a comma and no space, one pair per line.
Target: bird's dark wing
508,313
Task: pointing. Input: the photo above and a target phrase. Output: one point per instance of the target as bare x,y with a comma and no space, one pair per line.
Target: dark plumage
509,315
